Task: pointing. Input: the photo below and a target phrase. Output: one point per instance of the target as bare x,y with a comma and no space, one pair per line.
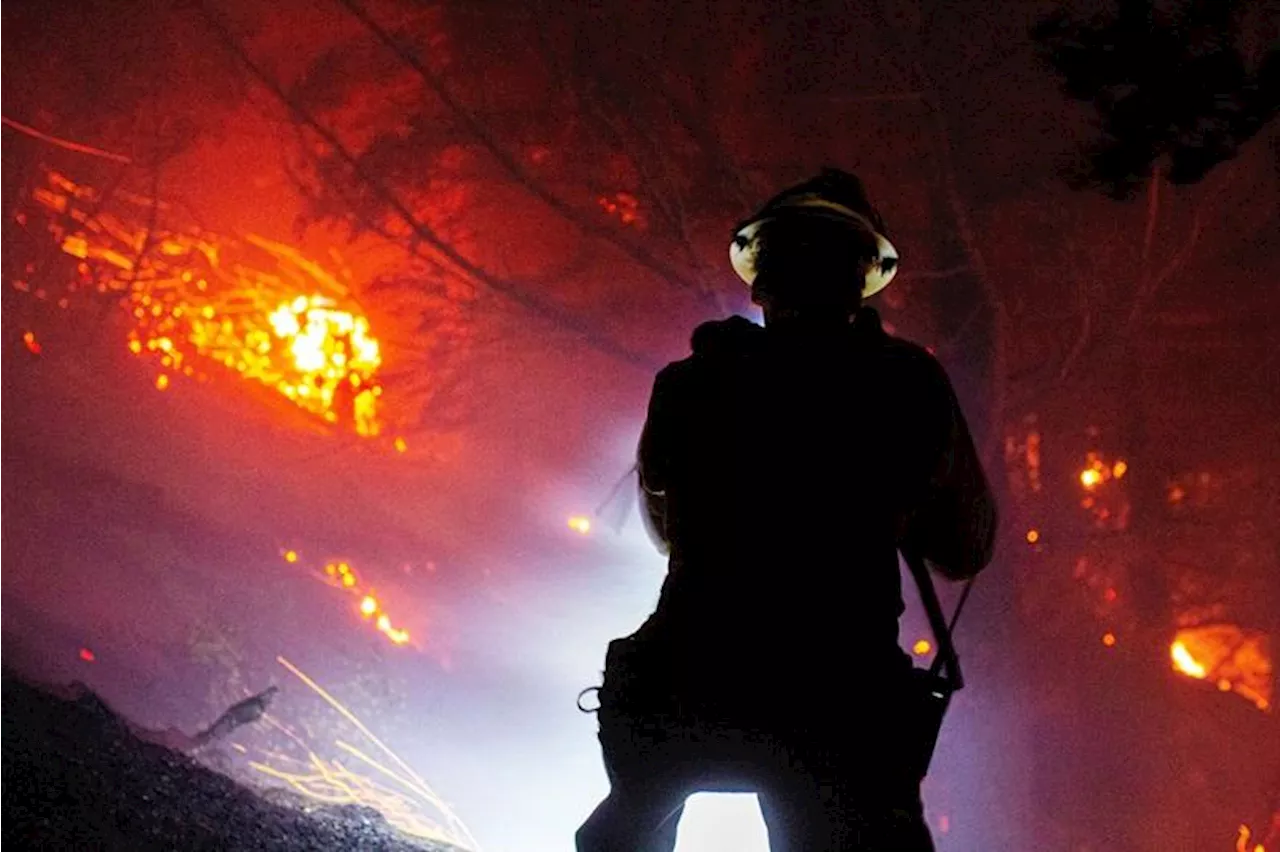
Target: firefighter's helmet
833,194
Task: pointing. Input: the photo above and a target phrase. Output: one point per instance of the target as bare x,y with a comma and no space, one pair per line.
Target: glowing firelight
29,341
1090,477
1033,536
1185,663
580,524
1109,639
369,605
253,307
921,647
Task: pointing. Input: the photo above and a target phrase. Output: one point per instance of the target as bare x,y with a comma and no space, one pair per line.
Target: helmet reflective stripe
745,247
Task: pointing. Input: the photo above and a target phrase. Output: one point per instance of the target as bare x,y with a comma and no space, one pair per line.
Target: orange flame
1234,659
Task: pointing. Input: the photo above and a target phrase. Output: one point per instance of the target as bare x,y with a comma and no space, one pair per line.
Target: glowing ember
393,788
1097,471
1232,658
29,341
252,306
921,647
342,576
1109,639
1033,536
87,655
580,524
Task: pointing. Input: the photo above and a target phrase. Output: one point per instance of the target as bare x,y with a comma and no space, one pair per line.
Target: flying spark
394,789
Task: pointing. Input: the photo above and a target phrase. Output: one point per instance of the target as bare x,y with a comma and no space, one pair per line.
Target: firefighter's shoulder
712,342
909,360
728,336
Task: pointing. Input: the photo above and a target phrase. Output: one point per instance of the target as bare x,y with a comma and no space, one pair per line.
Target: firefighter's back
792,459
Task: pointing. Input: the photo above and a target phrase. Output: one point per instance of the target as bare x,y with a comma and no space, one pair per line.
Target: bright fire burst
1234,659
388,784
201,303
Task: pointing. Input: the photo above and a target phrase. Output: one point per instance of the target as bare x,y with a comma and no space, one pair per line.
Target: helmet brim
744,250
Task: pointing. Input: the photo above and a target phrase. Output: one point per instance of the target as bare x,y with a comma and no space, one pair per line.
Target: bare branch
67,144
511,164
511,289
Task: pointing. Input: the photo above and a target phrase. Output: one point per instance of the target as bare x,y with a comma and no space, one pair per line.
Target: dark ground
76,777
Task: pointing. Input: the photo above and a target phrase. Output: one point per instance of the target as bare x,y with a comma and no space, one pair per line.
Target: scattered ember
580,524
250,306
625,206
1109,639
87,655
1033,536
342,576
921,647
29,341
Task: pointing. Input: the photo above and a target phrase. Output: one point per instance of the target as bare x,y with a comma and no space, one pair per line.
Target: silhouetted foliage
1173,89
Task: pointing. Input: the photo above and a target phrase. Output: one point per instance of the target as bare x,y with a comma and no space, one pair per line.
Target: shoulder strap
945,662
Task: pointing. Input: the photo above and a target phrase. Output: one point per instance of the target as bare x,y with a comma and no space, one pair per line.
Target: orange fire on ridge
200,302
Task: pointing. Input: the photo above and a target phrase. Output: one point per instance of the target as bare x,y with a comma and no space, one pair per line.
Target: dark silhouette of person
782,468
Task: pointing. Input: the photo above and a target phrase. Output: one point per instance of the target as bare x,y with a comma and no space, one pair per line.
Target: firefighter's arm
953,525
654,459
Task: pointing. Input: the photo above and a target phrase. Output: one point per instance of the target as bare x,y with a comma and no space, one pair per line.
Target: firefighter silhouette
782,467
